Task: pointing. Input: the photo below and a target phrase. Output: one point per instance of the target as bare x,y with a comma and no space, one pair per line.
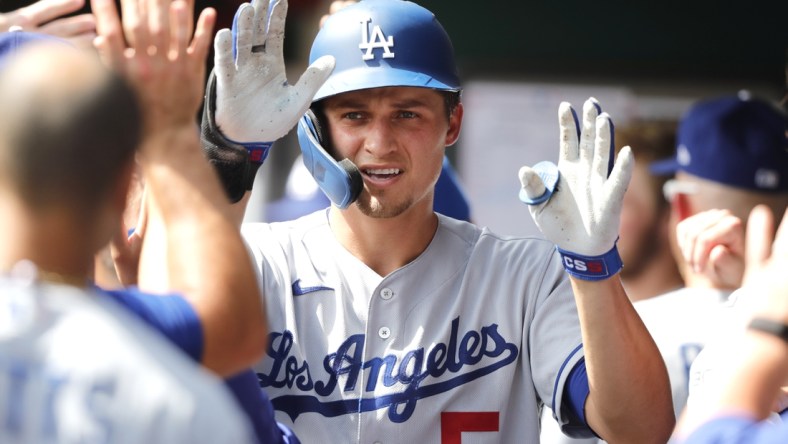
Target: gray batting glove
577,205
254,102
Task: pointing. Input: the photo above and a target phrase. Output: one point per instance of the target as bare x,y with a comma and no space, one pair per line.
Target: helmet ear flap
316,125
340,181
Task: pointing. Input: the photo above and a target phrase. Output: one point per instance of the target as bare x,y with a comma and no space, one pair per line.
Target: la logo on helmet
379,40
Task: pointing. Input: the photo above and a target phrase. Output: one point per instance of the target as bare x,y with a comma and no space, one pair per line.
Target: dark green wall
729,41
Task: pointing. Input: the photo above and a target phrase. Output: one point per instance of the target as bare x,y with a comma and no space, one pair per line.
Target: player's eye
354,115
407,115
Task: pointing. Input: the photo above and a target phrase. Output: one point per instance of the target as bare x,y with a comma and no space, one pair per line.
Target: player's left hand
582,214
254,102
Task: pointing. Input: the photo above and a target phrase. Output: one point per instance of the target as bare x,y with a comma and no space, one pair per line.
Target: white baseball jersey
681,323
460,345
75,367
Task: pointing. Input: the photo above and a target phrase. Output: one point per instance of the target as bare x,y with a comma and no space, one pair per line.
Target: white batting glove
577,205
254,102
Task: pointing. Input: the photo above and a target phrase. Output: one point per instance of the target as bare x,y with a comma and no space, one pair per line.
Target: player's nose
379,138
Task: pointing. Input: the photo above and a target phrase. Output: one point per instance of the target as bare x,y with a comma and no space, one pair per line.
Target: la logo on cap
379,40
768,179
683,156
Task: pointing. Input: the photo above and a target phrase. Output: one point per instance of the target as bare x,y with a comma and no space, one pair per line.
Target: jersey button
384,332
386,294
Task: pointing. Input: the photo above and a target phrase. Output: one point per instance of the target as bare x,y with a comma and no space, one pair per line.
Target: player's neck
384,245
56,248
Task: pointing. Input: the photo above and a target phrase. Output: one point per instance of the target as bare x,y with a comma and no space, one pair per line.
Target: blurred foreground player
74,365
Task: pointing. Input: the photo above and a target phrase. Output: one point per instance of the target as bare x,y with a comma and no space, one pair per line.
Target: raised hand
580,212
46,17
159,55
254,101
712,243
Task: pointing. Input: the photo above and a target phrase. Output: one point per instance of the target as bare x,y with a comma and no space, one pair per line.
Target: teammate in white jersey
730,157
76,367
390,323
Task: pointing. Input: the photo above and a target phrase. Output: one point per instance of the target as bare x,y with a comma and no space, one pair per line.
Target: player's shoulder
483,237
262,232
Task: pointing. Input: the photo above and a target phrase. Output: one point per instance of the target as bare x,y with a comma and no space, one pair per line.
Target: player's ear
681,207
455,123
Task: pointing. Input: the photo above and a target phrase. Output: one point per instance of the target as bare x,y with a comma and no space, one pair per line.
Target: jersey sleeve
245,387
171,314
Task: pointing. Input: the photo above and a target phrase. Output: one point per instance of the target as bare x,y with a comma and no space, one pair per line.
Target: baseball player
730,157
745,390
74,365
221,305
389,322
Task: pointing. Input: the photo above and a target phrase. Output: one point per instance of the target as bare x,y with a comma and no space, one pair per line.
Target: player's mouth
381,175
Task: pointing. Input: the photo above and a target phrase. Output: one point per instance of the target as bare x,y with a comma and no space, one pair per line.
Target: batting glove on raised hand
249,103
577,205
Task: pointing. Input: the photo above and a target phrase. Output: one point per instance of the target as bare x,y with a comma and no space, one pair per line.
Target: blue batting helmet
379,43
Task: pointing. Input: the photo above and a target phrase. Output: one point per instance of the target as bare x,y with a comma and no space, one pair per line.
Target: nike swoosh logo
298,290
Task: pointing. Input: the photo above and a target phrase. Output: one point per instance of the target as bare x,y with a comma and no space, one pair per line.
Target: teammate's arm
577,205
191,246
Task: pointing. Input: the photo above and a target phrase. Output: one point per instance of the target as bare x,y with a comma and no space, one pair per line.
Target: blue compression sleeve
171,315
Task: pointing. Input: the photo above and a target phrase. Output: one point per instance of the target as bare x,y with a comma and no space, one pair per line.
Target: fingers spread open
603,150
531,183
569,132
180,24
760,226
261,16
109,43
591,110
311,80
276,28
243,32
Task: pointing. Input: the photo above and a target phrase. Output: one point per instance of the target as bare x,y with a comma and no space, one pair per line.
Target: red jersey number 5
454,423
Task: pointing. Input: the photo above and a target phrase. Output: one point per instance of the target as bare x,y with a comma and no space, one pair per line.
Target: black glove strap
231,160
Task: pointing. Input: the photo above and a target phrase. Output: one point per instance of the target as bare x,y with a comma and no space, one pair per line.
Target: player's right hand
254,102
712,244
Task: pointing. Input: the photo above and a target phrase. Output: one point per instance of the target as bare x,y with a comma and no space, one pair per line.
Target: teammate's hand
126,245
712,243
583,213
46,17
254,102
766,258
159,56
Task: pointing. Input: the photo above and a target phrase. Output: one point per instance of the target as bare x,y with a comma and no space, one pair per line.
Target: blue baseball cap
737,141
11,41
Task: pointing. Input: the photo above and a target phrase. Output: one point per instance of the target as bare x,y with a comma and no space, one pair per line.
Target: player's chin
379,207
